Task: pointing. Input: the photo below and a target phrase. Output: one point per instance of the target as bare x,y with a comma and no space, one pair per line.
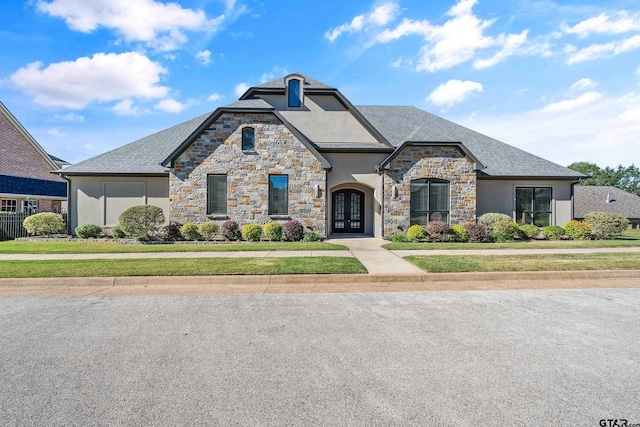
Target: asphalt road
467,358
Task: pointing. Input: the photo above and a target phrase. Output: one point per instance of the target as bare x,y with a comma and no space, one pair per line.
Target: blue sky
558,79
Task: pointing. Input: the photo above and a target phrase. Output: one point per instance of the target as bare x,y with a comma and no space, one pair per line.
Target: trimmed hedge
459,233
292,231
489,219
529,231
44,224
88,231
606,226
252,232
438,231
230,230
505,230
416,232
553,232
143,221
273,231
476,233
578,230
208,230
190,231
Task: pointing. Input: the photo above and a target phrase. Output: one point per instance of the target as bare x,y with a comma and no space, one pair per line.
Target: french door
348,211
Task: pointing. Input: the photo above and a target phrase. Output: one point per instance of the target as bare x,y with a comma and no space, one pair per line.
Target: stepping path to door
369,251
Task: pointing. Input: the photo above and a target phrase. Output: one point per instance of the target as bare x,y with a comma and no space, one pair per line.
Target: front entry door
348,211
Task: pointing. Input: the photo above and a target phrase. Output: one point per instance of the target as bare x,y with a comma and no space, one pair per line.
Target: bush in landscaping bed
438,231
489,219
398,238
252,232
606,226
459,233
416,232
578,230
171,232
273,231
190,231
292,231
44,224
208,230
88,231
312,236
505,230
529,231
230,230
476,233
118,232
143,221
553,232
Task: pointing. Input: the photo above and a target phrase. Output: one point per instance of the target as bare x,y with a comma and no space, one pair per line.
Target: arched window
429,201
248,139
293,93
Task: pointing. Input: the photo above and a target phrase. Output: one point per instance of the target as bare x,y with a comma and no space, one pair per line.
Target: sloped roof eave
477,164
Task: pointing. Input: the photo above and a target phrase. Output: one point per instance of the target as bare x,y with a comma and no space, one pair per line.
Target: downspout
326,203
379,170
68,202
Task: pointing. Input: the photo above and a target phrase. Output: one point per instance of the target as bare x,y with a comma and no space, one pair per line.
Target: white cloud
379,16
56,132
457,40
572,104
69,117
214,97
622,23
240,89
162,25
596,51
204,56
583,84
170,105
101,78
126,108
453,92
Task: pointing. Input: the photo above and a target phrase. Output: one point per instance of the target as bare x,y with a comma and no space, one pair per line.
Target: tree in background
625,178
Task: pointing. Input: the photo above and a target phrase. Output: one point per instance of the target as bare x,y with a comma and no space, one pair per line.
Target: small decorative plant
208,230
292,231
415,233
252,232
88,231
230,230
190,231
273,231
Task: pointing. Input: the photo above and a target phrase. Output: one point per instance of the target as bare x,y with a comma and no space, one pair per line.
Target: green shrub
438,231
88,231
416,232
171,232
312,236
398,238
44,224
489,219
578,230
143,221
230,230
190,231
208,230
459,233
529,231
606,226
505,230
252,232
273,231
553,232
118,232
476,233
292,231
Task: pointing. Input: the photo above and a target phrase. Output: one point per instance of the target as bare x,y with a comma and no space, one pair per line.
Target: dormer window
294,94
248,139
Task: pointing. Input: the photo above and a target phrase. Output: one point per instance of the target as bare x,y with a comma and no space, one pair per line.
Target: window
30,206
216,194
248,139
533,206
278,194
294,93
429,201
9,205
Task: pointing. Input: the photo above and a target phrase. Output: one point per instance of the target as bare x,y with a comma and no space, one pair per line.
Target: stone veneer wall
441,162
219,151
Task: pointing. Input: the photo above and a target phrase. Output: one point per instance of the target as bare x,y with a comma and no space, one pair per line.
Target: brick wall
440,162
218,151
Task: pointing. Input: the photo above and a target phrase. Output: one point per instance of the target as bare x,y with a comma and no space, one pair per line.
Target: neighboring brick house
295,148
602,198
27,183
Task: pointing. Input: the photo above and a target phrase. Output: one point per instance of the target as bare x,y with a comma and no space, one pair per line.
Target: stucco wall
499,196
277,151
87,204
440,162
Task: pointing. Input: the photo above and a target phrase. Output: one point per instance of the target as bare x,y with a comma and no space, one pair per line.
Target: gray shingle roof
250,103
309,83
405,123
593,198
141,156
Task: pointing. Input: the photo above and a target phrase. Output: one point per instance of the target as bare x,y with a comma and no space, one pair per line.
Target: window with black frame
533,206
278,194
429,201
216,194
248,139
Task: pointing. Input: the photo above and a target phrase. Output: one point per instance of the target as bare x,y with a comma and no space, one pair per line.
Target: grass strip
98,247
556,262
180,267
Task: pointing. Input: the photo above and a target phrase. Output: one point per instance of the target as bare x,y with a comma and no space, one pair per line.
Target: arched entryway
348,211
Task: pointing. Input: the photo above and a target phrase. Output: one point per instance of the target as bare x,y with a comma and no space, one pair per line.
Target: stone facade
440,162
277,152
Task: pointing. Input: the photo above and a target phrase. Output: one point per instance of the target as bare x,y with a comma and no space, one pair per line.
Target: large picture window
533,206
216,194
248,139
278,194
429,201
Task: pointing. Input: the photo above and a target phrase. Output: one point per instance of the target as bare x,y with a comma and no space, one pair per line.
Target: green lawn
556,262
96,247
630,238
180,267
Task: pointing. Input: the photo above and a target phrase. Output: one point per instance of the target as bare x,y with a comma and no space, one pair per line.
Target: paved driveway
544,357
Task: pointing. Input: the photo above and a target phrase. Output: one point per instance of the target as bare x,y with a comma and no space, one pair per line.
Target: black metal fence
11,225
